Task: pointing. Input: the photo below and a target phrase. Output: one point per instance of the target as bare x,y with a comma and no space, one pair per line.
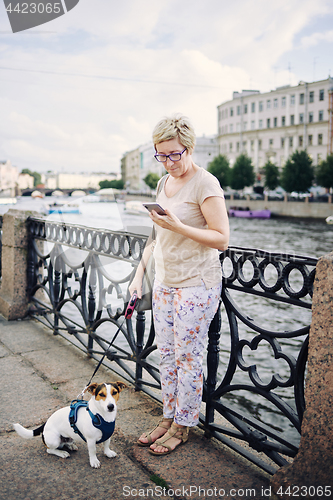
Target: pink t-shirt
180,261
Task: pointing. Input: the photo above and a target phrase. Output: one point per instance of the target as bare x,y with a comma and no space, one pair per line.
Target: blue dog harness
105,427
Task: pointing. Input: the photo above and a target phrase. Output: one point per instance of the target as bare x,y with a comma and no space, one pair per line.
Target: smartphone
154,206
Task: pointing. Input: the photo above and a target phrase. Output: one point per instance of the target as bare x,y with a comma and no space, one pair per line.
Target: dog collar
98,421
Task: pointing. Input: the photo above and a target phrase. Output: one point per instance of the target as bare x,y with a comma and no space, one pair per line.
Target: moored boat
68,208
246,213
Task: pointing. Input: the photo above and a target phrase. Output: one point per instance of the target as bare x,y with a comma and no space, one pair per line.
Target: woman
187,285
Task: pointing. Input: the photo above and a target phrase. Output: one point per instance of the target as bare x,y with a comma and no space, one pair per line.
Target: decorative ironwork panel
274,278
78,279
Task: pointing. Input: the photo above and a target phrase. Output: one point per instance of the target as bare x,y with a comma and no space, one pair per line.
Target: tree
151,180
271,175
242,173
298,173
220,168
324,172
112,184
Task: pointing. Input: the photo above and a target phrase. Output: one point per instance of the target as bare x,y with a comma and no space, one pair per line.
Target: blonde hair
176,126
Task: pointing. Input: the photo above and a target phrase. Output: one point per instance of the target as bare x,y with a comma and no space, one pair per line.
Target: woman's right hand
136,286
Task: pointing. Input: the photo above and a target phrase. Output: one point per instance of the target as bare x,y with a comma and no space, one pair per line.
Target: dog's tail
26,433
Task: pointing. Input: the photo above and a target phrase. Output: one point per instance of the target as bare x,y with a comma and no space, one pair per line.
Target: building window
238,110
310,140
237,147
311,96
237,127
253,107
231,127
301,98
301,118
275,122
283,121
226,113
291,142
261,106
230,147
321,116
252,145
320,139
260,124
300,141
260,144
283,102
319,158
245,126
275,103
245,109
252,125
271,143
292,119
282,142
268,104
321,95
231,111
310,117
268,123
292,100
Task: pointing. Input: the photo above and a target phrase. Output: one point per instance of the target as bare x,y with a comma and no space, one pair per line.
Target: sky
78,92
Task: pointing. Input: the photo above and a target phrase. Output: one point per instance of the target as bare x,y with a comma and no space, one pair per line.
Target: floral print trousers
181,318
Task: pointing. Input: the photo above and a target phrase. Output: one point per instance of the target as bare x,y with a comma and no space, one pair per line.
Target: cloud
95,87
316,38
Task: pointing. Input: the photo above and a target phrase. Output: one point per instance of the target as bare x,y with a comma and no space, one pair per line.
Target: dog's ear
121,385
92,388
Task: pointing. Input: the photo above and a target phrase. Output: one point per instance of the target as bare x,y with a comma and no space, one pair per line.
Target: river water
295,236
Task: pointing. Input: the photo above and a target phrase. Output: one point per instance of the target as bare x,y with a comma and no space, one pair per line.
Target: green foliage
271,171
112,184
151,180
298,173
324,172
242,173
220,168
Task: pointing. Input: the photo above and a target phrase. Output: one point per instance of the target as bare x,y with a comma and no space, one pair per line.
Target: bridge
48,192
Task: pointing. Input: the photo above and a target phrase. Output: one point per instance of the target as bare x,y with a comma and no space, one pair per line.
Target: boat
135,208
8,201
68,208
246,213
329,219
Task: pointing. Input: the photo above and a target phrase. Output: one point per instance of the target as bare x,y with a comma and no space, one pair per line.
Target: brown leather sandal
165,423
177,432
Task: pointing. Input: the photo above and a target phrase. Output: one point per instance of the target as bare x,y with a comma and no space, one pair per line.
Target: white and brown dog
93,421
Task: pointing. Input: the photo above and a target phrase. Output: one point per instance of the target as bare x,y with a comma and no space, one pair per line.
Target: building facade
272,125
76,181
8,178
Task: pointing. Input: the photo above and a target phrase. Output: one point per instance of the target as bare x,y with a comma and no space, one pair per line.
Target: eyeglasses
173,156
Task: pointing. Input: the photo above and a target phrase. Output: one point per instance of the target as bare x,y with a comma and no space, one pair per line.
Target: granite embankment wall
303,209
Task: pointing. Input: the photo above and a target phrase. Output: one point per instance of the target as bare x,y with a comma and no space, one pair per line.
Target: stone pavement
40,373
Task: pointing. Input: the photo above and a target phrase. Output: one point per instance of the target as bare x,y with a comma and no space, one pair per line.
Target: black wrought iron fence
78,279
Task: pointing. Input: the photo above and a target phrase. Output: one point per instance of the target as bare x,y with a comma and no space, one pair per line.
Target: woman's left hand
169,221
